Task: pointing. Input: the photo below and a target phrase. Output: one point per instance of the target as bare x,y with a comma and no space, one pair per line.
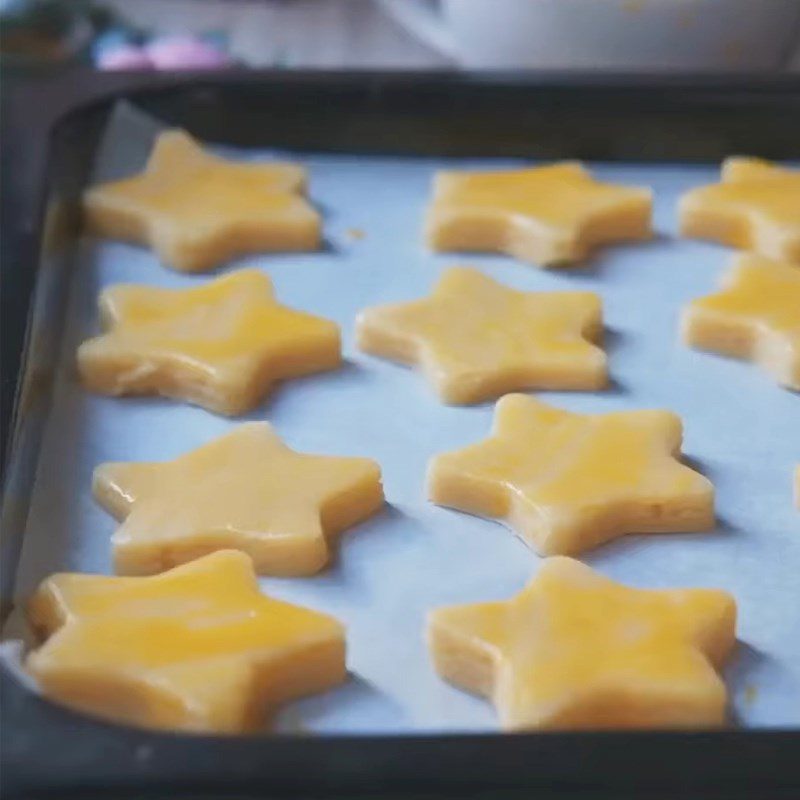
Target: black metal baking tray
48,751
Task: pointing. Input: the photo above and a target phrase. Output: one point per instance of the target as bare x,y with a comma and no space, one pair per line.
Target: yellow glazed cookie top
577,650
543,215
220,345
245,490
197,210
566,482
475,338
756,315
197,648
756,206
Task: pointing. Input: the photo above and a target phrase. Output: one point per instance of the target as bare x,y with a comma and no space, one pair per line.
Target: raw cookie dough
198,648
756,206
543,215
755,316
474,338
197,210
577,650
245,490
566,482
220,346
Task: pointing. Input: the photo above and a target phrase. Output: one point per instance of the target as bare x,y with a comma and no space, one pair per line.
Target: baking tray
47,749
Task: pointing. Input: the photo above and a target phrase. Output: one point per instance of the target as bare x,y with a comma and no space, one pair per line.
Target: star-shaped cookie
566,482
756,206
245,490
543,215
577,650
475,338
220,345
198,648
197,210
756,316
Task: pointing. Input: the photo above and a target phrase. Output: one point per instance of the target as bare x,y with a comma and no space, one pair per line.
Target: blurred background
618,35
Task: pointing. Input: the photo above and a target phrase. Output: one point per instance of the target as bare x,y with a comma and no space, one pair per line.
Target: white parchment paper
741,430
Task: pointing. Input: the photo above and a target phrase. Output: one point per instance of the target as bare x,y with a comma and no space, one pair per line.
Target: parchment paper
741,430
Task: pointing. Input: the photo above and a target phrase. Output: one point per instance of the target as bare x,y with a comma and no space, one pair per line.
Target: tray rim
415,762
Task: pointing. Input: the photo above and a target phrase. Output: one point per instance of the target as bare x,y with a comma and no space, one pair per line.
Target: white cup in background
663,35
